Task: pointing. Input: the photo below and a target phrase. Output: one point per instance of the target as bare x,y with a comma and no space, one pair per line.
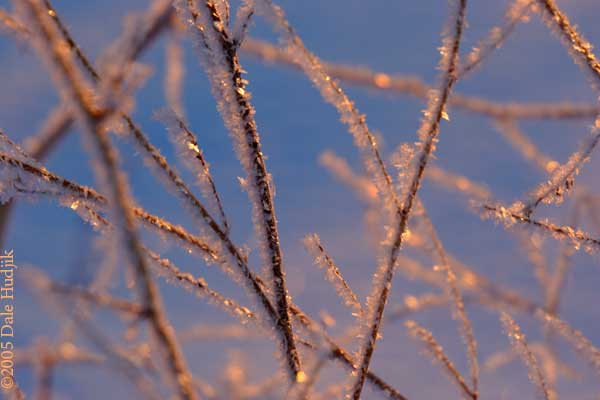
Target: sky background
296,126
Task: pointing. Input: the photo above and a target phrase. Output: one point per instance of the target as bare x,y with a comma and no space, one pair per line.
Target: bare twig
515,13
193,156
238,115
415,87
428,135
510,130
576,44
509,217
436,351
517,339
68,77
334,276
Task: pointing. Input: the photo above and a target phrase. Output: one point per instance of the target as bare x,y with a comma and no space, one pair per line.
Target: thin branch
451,288
579,48
509,217
40,286
60,119
108,173
515,13
97,298
582,345
187,144
154,26
428,134
78,196
194,242
84,195
426,339
332,272
243,19
69,40
233,99
562,265
343,356
511,131
561,180
459,183
200,287
415,87
517,339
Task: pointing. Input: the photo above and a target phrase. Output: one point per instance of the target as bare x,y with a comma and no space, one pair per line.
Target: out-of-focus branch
413,86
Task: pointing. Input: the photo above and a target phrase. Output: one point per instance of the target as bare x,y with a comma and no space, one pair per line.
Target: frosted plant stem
60,119
181,234
340,354
576,44
238,115
357,126
517,339
468,281
561,179
38,283
65,352
415,87
510,216
167,269
306,389
179,187
52,131
340,169
487,291
87,194
108,173
230,249
426,339
577,237
80,195
12,25
337,352
186,142
242,22
516,12
334,94
91,195
555,286
334,276
562,265
533,247
199,287
70,42
161,12
428,134
413,304
582,345
460,314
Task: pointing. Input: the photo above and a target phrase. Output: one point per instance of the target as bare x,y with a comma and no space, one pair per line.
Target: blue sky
296,126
